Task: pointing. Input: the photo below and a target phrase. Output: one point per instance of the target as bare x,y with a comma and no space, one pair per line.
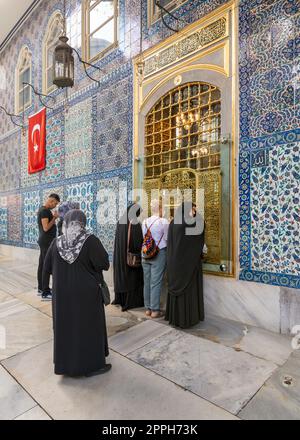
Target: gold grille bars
183,130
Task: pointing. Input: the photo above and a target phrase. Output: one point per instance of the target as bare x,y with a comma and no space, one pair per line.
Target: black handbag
105,293
133,260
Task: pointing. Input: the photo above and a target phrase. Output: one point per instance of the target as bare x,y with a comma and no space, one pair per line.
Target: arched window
53,32
100,27
154,11
23,74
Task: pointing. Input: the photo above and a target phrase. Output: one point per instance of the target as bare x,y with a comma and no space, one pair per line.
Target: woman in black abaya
128,281
185,306
76,260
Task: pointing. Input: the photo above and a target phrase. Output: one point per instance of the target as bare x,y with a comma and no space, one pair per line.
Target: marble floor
219,369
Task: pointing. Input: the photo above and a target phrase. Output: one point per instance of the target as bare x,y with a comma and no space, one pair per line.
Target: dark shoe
47,296
39,292
102,371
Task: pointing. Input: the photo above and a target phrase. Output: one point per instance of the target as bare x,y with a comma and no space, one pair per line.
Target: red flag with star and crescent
37,142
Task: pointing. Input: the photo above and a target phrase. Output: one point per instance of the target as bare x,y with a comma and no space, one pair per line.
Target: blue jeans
154,270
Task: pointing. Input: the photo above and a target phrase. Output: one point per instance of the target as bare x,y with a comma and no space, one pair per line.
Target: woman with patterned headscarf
76,261
63,209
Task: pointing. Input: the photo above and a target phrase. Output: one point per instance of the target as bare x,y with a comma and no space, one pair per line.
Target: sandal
148,312
156,315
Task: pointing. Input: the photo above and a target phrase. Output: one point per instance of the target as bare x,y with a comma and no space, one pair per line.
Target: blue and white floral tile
3,218
83,193
31,205
59,190
275,213
55,153
10,159
78,139
14,217
27,180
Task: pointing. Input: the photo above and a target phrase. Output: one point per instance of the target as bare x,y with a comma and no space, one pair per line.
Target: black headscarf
185,246
69,245
121,281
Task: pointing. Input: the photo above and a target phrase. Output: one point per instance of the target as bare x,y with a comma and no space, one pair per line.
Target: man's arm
46,224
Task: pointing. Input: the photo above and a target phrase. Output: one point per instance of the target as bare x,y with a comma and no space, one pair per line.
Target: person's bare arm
48,225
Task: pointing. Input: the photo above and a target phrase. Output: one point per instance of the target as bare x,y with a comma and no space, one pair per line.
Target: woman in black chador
185,306
128,281
76,260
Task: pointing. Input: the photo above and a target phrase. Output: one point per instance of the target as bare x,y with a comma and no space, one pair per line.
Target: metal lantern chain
63,60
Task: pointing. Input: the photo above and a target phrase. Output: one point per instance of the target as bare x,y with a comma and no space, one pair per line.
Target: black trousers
43,252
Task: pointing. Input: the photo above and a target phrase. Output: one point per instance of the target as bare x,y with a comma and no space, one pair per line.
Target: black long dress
185,306
80,337
128,281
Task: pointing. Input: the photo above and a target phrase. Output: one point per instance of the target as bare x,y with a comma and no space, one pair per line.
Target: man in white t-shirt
154,268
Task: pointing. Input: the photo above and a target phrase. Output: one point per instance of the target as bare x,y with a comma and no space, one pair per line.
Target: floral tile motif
55,156
275,212
3,224
53,190
27,180
3,218
270,47
270,138
14,204
114,143
31,205
78,139
84,194
10,163
112,196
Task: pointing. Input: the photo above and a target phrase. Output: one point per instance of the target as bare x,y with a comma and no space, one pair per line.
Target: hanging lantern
63,64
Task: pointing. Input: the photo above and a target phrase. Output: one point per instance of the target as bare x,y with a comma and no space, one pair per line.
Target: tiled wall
270,141
89,144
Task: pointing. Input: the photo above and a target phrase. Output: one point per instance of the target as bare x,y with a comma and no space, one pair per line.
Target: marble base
252,303
289,309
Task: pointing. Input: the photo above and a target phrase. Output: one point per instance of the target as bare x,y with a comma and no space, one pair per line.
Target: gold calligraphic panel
188,45
210,182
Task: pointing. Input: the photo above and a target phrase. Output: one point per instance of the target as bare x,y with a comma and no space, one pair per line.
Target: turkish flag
37,142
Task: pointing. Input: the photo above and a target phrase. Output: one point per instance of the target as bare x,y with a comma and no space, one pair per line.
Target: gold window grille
182,150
